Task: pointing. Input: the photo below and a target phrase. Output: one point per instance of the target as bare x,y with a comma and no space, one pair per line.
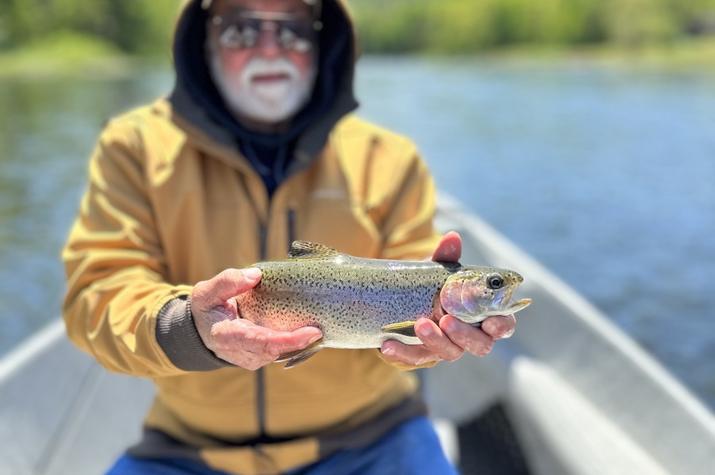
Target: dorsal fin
451,266
307,249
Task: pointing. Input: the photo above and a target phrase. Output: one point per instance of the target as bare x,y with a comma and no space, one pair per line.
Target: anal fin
294,358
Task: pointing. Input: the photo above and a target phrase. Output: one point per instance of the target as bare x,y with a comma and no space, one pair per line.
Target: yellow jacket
168,204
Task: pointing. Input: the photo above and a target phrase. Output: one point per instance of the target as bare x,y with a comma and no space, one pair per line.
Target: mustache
261,67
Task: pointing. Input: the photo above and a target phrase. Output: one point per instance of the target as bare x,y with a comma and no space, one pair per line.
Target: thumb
227,284
449,248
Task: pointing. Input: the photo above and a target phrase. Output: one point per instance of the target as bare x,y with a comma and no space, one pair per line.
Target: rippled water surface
605,175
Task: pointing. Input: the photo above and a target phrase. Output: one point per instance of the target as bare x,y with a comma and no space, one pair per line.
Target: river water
606,175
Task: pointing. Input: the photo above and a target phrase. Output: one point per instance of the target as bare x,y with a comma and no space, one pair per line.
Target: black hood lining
333,86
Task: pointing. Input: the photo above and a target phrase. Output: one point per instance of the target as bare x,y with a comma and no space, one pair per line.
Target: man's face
262,56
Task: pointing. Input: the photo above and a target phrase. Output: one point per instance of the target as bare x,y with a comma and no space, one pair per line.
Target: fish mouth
517,306
511,309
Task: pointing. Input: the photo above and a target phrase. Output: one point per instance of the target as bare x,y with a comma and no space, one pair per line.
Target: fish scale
359,302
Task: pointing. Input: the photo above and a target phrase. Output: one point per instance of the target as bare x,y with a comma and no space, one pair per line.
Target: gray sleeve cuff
178,337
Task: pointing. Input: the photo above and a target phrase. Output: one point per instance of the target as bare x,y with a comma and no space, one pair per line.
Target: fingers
229,283
244,335
435,347
449,248
232,282
411,355
436,341
280,342
500,326
251,346
467,337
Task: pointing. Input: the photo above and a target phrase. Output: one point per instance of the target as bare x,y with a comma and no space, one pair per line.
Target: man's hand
447,338
234,339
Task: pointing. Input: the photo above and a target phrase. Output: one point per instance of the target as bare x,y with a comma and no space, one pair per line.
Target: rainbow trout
359,303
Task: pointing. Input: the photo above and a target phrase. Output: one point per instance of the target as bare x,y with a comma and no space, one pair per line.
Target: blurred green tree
464,26
393,26
134,26
639,22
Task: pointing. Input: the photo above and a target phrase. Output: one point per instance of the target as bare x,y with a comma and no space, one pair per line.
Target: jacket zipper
260,373
291,227
263,255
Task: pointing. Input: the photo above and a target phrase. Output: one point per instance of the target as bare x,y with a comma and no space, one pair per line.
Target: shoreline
690,54
72,54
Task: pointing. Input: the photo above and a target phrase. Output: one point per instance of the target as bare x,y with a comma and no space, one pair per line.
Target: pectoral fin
406,328
297,357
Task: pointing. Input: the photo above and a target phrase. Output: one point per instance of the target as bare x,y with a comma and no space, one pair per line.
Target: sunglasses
241,30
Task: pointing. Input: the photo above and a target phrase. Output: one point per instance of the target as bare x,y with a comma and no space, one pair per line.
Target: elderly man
254,148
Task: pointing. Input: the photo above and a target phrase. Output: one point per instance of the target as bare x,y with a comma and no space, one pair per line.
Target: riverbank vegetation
469,26
65,52
45,33
137,27
80,36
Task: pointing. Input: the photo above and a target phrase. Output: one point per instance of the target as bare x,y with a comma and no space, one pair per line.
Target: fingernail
388,351
427,330
449,325
314,338
252,273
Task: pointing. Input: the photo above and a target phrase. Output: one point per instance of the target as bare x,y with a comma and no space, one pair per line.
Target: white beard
273,102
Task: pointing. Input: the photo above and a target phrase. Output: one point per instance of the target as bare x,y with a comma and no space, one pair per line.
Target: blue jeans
412,448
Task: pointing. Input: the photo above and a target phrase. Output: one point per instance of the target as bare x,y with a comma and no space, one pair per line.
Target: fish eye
495,281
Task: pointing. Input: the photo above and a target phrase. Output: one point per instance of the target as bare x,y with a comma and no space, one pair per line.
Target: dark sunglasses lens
301,29
238,32
242,32
296,35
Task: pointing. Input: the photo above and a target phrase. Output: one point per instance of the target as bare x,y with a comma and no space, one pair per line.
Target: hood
196,99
